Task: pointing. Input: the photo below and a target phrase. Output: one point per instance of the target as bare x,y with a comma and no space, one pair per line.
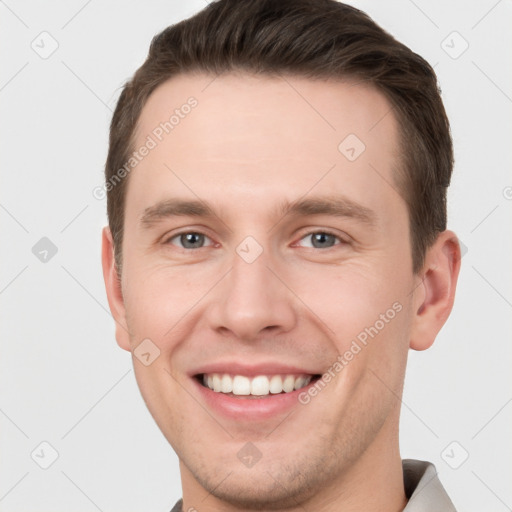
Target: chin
267,485
256,490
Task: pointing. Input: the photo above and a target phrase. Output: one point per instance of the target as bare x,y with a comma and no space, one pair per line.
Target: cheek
366,315
160,300
354,298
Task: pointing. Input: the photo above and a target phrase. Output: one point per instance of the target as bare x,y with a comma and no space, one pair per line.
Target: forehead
238,103
253,134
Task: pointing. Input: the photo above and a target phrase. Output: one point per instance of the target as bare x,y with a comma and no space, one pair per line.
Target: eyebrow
335,206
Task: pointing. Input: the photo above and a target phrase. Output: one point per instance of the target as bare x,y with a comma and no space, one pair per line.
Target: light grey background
63,379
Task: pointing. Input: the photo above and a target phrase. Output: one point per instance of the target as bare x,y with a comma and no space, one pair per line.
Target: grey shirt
422,488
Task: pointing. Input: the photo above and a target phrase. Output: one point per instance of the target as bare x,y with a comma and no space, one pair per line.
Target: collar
423,488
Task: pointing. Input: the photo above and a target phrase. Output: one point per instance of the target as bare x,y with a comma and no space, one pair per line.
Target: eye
322,239
196,240
189,239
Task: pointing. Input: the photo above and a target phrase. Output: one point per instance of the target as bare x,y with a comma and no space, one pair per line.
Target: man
277,241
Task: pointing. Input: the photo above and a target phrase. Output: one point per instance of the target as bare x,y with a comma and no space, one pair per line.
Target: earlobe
433,298
113,289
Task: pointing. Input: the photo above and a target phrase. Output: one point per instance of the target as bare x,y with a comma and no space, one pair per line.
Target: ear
113,288
433,297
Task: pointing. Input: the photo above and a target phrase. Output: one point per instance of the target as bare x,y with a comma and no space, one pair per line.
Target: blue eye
196,240
322,239
189,239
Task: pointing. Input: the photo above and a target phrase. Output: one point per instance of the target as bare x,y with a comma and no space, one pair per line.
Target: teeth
299,383
258,386
241,385
216,382
226,384
289,383
276,384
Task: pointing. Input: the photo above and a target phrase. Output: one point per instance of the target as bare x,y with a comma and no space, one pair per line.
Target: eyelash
323,231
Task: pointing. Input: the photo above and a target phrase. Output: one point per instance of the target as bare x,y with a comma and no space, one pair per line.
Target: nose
253,298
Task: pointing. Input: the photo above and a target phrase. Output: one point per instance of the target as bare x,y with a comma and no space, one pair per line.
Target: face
292,269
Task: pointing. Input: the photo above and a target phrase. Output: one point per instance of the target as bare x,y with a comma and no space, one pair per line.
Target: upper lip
252,370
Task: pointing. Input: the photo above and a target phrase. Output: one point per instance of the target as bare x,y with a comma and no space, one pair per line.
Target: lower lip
251,409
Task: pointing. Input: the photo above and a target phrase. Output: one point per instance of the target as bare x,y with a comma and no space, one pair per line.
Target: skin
251,143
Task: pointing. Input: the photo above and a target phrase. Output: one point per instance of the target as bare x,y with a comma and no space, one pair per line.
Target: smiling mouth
260,386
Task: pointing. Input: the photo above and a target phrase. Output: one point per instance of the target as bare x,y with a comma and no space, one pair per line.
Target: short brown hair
308,38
